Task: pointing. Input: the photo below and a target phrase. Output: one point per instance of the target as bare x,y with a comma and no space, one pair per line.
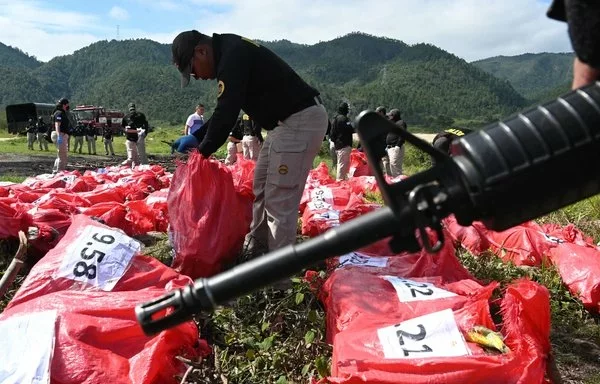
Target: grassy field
278,337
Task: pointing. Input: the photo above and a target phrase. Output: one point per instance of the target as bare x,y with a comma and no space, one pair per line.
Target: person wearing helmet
280,102
341,135
443,139
42,131
395,144
60,135
31,133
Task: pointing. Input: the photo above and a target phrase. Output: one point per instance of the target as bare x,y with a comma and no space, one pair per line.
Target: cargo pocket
285,164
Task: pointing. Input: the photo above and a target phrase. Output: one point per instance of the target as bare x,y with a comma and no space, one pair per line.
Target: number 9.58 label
99,256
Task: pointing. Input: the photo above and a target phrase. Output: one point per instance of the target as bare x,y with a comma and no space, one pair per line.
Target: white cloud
471,29
43,32
118,13
166,5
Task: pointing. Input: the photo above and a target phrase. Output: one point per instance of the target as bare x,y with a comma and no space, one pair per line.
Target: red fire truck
99,117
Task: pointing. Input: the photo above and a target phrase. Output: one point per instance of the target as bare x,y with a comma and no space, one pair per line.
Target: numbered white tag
331,216
552,239
409,290
99,256
359,259
317,205
125,180
69,179
432,335
27,346
322,194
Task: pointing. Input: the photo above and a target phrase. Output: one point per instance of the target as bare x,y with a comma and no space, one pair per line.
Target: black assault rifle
511,171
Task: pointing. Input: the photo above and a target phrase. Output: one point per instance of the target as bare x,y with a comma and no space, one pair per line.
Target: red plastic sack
93,279
208,218
319,176
332,196
359,165
104,194
12,221
557,234
472,238
362,184
111,213
431,348
378,295
319,216
524,244
242,173
579,268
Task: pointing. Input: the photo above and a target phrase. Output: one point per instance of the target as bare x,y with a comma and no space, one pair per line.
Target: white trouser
250,147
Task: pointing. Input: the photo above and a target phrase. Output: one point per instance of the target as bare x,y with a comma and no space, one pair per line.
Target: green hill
537,77
422,80
11,57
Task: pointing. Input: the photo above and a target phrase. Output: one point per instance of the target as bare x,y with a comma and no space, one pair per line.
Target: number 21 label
99,256
432,335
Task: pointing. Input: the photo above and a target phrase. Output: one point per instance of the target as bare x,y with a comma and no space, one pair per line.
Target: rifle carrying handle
534,162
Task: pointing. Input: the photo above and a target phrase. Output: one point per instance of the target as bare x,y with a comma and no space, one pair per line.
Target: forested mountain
14,58
538,77
422,80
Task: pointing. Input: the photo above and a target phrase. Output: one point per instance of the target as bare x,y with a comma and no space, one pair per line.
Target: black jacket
41,127
31,128
238,129
62,117
107,133
341,132
393,139
252,78
134,120
79,130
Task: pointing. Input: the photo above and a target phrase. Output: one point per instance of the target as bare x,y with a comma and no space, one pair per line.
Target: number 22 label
409,290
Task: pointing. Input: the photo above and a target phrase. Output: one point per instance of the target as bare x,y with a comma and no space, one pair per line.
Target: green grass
12,178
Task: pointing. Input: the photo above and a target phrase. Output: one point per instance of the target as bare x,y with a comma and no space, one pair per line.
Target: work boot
252,248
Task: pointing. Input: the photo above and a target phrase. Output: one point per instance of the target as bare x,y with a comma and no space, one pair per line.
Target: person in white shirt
195,121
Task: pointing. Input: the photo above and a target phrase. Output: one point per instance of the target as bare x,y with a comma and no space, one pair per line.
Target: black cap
394,114
381,109
131,106
343,108
63,101
183,51
442,143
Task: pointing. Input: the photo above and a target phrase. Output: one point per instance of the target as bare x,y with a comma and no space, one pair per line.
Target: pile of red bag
133,200
74,314
74,318
574,255
410,317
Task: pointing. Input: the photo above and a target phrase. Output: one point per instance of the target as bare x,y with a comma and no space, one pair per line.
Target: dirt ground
30,165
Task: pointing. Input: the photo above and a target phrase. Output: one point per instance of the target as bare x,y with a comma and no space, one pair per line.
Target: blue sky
470,29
